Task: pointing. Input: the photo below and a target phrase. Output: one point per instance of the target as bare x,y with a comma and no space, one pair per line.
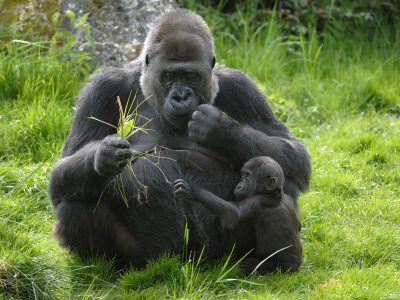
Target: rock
29,15
118,27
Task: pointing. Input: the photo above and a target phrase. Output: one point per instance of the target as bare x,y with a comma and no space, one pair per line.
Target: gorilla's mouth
184,116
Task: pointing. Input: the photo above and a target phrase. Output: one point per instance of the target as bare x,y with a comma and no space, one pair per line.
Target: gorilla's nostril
186,96
180,96
177,98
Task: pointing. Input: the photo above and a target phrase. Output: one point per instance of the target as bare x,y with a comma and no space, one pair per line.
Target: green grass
338,91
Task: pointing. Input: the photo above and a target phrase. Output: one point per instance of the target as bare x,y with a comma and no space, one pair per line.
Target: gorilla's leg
87,228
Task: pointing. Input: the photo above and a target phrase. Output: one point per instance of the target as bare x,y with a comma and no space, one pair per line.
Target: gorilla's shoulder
235,84
107,84
235,81
230,75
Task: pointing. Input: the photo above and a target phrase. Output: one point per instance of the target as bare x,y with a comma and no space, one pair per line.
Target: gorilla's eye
246,175
167,78
192,76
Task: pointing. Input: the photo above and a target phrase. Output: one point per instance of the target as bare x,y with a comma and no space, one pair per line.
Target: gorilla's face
177,73
183,87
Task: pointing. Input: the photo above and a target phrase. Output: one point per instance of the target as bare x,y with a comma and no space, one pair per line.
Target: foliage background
331,70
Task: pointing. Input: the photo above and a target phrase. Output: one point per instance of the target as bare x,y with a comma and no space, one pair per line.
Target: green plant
81,27
127,127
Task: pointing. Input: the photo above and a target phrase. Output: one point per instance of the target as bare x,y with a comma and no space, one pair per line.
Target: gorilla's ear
147,59
213,62
270,183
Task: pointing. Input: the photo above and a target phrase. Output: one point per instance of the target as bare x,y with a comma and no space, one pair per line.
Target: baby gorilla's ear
270,183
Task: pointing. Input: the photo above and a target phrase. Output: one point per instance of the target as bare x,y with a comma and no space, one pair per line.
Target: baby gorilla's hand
183,189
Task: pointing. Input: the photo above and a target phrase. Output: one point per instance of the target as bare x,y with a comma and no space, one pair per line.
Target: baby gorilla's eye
245,175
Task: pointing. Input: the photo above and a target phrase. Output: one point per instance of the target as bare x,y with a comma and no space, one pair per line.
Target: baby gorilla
262,202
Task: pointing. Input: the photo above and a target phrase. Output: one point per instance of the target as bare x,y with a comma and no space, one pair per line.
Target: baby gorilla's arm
229,212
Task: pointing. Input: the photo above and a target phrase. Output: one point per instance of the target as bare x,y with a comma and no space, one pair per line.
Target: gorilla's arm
88,169
241,125
93,152
230,213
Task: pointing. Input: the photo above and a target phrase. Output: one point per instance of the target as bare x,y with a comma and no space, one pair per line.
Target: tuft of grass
127,127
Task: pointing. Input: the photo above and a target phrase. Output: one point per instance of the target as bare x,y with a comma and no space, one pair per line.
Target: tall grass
337,89
37,91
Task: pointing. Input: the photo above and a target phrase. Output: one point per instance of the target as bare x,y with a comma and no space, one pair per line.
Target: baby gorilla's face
259,175
245,187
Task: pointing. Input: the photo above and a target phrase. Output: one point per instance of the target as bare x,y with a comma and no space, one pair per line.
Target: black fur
264,208
211,120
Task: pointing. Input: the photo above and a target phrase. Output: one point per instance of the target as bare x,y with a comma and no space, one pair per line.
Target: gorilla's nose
239,188
180,95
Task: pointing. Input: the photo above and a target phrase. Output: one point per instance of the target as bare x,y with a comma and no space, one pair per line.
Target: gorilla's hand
183,190
210,126
112,155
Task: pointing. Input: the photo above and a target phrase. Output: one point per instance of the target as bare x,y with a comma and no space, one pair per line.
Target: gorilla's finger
194,126
199,115
197,130
122,164
120,143
196,115
123,153
206,109
179,185
191,125
178,181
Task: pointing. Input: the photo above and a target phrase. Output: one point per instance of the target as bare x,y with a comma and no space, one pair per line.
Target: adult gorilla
210,120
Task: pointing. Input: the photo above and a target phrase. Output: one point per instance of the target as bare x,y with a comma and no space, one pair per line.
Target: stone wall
118,27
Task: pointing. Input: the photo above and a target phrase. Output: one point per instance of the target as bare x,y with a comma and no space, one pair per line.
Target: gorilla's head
177,62
260,175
